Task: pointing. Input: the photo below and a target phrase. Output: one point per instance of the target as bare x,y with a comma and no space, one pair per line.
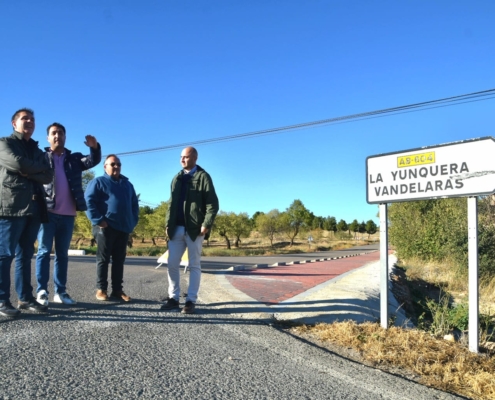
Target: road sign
457,169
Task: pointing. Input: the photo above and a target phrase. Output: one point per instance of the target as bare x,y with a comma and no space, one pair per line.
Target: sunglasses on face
114,164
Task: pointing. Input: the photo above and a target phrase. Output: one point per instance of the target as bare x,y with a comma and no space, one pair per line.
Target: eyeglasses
115,164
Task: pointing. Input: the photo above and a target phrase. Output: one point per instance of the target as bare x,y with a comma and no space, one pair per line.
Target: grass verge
439,363
435,299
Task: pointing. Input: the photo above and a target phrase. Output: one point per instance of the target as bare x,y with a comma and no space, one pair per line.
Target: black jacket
74,165
23,170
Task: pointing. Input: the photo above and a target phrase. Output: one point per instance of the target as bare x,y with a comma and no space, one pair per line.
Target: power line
425,105
147,203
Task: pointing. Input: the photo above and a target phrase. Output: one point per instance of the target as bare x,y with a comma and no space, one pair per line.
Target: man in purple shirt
64,197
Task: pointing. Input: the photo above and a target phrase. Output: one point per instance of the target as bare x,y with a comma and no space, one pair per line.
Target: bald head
188,158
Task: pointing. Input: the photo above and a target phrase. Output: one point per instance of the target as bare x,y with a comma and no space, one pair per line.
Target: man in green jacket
23,171
192,208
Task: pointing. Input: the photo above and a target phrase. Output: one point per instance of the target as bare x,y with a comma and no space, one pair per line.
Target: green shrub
441,323
459,316
486,250
88,249
437,230
153,251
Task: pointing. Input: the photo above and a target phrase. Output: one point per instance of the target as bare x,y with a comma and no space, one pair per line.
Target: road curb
241,268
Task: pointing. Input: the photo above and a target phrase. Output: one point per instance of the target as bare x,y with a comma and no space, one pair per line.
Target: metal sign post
310,239
384,266
473,274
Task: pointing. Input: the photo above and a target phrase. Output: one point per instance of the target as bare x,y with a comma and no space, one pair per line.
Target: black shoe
189,308
32,305
171,304
7,310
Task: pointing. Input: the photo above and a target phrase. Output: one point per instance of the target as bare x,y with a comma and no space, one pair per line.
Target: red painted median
275,284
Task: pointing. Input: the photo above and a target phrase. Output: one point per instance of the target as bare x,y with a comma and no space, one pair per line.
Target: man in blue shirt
113,210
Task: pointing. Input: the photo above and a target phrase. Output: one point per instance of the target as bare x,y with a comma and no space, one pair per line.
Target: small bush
459,316
88,249
146,251
323,248
441,323
446,317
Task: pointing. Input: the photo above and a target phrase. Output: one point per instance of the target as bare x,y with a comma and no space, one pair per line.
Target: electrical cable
425,105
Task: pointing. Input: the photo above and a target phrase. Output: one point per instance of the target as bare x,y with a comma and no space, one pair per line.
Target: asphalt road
220,263
129,351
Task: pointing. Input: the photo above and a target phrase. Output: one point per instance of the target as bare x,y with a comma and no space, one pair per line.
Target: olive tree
295,217
269,224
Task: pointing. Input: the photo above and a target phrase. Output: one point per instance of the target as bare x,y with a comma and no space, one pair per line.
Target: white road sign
465,168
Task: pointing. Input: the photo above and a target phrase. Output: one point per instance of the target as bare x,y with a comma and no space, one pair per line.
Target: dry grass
487,292
255,245
441,364
438,363
443,275
439,274
322,241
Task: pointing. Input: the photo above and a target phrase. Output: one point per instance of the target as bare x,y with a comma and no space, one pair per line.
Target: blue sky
147,74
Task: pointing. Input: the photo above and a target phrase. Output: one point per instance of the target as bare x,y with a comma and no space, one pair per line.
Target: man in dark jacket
64,196
113,210
192,208
23,171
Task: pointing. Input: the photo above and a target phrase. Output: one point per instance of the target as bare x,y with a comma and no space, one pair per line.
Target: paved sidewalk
313,292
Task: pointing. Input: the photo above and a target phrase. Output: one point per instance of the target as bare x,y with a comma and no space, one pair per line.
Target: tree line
290,223
233,227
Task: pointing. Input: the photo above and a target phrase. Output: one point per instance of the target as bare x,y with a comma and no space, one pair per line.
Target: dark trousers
111,244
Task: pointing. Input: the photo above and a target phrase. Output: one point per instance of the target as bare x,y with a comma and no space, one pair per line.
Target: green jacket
200,206
17,157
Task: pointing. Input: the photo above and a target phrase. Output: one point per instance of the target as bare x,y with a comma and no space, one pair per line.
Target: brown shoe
101,295
121,296
189,308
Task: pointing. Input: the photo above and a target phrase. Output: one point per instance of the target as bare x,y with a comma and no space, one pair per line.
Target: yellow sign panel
416,159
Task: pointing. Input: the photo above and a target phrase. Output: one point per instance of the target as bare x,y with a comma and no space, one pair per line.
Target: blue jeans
58,228
17,237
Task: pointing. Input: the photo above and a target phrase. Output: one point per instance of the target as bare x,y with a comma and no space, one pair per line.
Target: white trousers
176,248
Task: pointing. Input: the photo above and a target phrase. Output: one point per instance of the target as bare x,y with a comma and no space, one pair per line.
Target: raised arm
94,156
